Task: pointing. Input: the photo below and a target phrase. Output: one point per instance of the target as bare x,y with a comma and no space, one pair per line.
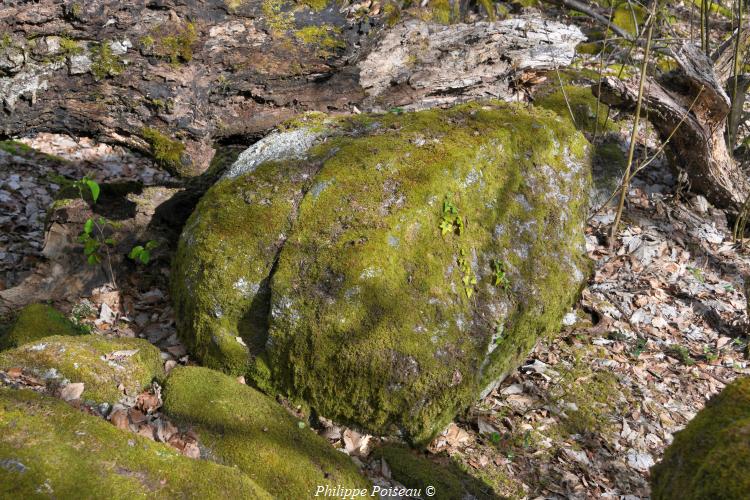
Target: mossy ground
375,317
415,471
51,450
246,429
37,321
590,399
710,458
82,359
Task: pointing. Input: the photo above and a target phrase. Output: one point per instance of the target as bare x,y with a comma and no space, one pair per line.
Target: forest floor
659,329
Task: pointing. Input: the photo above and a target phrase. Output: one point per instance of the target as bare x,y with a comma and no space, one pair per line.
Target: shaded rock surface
403,265
241,427
711,456
35,322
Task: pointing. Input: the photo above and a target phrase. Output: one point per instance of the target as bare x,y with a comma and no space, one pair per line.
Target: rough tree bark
694,98
174,77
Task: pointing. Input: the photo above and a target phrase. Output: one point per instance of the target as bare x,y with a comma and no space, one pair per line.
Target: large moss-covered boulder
242,427
37,321
388,268
710,458
49,449
106,366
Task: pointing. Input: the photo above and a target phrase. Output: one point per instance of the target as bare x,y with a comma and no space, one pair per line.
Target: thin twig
634,134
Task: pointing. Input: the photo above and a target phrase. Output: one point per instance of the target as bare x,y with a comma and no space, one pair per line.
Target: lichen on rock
242,427
102,364
35,322
49,449
362,276
711,456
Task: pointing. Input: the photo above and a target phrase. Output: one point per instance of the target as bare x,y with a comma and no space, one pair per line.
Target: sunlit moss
50,449
83,359
241,427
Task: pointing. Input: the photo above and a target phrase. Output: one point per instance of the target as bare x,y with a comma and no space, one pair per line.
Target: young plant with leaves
142,253
96,235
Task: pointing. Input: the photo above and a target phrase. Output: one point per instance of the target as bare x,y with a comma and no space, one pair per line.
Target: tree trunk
689,107
173,77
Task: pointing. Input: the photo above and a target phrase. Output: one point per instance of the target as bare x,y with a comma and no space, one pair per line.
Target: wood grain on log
172,78
689,106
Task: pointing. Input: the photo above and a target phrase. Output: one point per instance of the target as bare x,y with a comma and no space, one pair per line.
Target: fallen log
174,78
689,109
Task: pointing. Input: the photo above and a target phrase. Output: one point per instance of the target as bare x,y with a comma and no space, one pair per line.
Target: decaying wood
695,96
199,72
418,65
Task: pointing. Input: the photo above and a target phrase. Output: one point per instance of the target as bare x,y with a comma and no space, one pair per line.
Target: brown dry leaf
116,355
148,402
191,450
72,391
165,430
119,418
456,436
136,416
170,363
356,444
146,431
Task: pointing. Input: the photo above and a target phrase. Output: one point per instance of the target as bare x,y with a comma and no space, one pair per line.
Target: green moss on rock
166,151
710,458
417,472
37,321
102,364
575,103
335,273
242,427
50,450
104,62
16,148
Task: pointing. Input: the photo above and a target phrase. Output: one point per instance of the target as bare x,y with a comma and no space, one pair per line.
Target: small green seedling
710,354
142,253
89,184
467,275
500,278
697,274
640,346
680,353
450,221
96,242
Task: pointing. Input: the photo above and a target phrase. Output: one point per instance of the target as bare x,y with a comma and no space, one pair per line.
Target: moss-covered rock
388,273
50,450
102,364
417,472
242,427
37,321
710,458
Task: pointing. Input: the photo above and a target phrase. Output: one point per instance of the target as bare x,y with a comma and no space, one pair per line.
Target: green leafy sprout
142,253
500,278
450,222
467,275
